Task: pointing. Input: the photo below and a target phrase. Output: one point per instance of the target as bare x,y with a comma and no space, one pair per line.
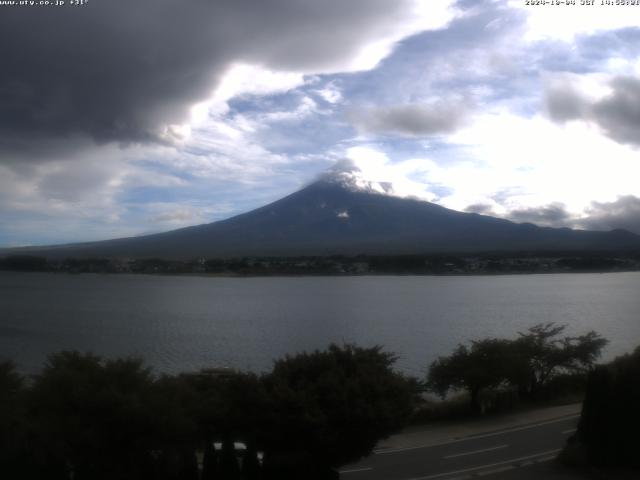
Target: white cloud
223,148
541,161
306,107
422,15
590,86
244,79
77,194
330,93
511,163
377,167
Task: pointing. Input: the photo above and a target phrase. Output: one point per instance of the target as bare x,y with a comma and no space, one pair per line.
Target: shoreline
329,275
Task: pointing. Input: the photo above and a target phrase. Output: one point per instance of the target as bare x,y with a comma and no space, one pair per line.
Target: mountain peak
348,175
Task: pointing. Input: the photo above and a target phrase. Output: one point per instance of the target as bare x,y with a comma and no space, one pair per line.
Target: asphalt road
498,454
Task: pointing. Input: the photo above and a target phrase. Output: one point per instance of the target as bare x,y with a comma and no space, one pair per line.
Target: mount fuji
342,213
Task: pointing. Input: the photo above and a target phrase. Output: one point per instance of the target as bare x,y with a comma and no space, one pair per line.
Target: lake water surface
179,323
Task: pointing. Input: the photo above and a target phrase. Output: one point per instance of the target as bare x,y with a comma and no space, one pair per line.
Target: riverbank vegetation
497,373
83,417
463,264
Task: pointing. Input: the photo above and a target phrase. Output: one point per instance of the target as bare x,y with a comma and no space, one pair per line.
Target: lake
178,323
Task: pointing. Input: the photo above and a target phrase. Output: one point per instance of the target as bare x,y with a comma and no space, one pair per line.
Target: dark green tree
230,407
175,433
610,420
541,353
528,362
331,407
483,365
251,469
92,417
209,462
13,422
229,467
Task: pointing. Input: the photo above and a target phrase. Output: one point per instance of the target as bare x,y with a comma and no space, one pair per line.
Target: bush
89,418
332,407
610,421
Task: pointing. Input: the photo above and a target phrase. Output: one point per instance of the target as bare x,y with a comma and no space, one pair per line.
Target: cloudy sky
123,117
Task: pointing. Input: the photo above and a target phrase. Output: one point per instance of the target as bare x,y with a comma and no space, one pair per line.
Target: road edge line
490,465
473,437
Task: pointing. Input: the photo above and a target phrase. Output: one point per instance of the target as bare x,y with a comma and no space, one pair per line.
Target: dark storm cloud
410,120
564,104
618,114
623,213
553,215
122,70
480,208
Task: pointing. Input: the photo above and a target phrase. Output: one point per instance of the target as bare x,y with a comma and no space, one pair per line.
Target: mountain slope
336,216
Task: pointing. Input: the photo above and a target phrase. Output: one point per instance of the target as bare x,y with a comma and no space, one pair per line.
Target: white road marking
567,432
488,466
456,455
473,437
355,470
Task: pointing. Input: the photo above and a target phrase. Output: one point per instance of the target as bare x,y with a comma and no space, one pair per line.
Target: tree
175,435
209,462
229,407
92,417
13,432
484,365
527,362
541,354
331,407
610,420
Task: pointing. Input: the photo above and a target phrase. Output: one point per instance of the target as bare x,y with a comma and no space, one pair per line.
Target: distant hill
341,214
